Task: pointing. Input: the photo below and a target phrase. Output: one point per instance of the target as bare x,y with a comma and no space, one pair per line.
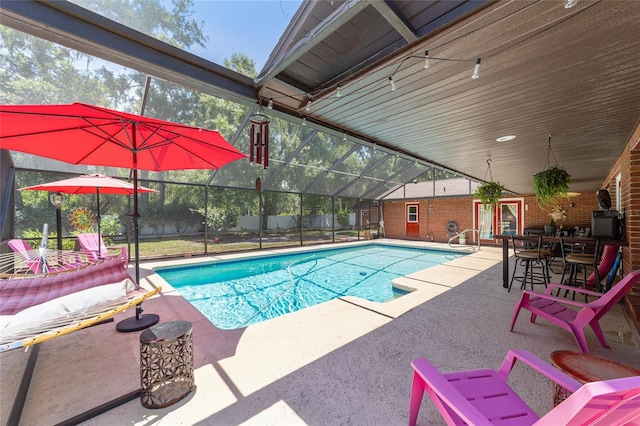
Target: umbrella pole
136,219
98,220
140,321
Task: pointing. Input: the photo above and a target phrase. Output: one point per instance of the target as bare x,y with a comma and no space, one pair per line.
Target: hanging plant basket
551,185
489,193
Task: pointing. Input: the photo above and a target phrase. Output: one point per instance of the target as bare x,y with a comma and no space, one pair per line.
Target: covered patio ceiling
572,73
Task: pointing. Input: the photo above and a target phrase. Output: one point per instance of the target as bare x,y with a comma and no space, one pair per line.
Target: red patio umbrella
86,134
90,184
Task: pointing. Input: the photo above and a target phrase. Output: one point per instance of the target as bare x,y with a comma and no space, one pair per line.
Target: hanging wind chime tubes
259,139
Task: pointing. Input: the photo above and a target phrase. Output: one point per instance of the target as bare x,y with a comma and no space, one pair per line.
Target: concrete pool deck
346,361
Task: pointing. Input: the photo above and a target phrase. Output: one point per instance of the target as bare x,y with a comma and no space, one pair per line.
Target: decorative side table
166,364
586,368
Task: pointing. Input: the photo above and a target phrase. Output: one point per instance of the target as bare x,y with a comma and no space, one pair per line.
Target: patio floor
342,362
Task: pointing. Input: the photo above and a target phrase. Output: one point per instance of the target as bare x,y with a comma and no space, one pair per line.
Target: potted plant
550,185
489,193
557,214
462,238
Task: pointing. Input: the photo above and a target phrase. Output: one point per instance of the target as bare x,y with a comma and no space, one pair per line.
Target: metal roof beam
402,170
371,167
338,18
393,16
345,187
287,160
330,169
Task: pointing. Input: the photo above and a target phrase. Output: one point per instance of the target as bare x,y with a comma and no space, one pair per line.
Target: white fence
252,223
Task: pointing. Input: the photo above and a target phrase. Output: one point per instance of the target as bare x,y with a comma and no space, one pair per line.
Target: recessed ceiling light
568,4
506,138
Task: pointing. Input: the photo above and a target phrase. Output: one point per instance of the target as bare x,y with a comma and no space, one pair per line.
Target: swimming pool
237,293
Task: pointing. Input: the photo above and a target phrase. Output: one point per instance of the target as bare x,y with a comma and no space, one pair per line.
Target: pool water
234,294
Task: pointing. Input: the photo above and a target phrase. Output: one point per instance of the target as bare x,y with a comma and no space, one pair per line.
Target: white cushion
84,299
5,320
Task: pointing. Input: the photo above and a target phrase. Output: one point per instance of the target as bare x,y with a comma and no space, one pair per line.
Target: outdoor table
166,364
586,368
505,251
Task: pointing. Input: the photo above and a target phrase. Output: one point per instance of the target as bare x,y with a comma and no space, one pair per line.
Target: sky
239,26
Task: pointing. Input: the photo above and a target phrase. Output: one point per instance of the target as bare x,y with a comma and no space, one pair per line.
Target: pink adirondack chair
26,253
557,310
37,260
42,262
93,244
482,397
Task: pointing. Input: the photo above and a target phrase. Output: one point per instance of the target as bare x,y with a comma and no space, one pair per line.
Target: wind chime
259,138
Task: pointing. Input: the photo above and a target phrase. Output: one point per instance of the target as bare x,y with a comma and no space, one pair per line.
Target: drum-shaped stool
166,364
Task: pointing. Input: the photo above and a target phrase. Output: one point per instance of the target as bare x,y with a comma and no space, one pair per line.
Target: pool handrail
466,246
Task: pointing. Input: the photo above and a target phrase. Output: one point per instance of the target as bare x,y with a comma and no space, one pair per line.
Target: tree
174,26
37,71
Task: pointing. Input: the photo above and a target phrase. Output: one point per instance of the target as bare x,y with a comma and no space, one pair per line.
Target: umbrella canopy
86,134
89,184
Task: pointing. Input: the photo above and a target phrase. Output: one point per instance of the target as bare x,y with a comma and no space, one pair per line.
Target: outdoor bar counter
505,251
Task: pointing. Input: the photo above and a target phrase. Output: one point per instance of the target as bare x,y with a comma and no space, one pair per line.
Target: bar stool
550,246
578,254
528,252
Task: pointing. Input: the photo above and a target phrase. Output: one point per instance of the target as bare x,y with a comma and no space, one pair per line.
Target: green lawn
193,245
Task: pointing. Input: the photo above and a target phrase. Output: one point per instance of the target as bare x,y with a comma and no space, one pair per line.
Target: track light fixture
428,61
476,70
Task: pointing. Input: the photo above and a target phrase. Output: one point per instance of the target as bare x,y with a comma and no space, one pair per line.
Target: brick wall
629,185
628,166
435,214
578,208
